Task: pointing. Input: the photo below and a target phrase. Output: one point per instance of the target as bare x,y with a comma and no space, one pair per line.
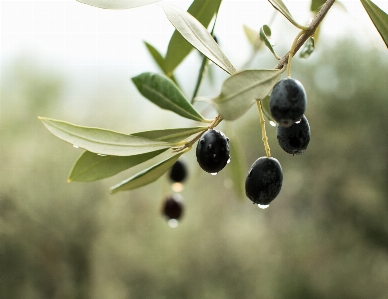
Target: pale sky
70,35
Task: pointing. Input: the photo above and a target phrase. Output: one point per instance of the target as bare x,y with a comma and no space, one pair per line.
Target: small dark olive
172,207
264,180
213,151
178,172
294,139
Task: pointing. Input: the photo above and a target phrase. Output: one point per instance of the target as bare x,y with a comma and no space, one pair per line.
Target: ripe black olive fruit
287,102
178,172
172,207
264,180
294,139
213,151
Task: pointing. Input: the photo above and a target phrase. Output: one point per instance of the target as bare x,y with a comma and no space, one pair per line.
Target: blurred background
324,236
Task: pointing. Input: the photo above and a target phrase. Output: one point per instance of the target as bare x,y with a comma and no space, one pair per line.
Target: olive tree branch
304,35
307,33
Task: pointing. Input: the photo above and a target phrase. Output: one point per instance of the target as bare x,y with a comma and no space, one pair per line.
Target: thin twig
312,27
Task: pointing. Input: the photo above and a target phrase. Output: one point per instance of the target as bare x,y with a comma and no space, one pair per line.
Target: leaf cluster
108,153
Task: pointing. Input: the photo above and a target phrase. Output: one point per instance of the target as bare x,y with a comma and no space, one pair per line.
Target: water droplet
177,187
102,155
214,173
263,206
75,146
227,162
173,223
298,122
272,123
215,156
209,147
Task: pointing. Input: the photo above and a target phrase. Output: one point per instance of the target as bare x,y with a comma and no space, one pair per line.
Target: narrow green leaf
316,5
161,91
282,8
117,4
378,17
198,36
178,47
265,34
91,167
101,141
308,48
170,135
146,176
158,58
240,91
253,37
236,167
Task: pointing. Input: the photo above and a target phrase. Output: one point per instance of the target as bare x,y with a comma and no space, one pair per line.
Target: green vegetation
326,235
326,231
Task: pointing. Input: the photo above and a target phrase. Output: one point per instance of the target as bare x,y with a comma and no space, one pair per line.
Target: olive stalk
190,143
291,53
263,132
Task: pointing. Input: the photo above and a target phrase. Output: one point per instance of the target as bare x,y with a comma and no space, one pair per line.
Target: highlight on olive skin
287,102
264,180
294,139
213,151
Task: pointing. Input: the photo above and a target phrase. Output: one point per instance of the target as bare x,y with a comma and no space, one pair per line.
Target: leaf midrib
166,99
109,143
228,68
90,167
231,96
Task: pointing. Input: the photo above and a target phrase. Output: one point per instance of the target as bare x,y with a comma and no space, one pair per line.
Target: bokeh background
325,236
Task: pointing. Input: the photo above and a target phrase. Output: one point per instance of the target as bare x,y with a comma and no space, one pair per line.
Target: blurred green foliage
325,236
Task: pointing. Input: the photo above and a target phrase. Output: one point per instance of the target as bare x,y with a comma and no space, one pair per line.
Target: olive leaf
160,90
240,91
146,176
265,34
158,58
316,5
178,47
101,141
253,37
117,4
197,35
91,167
378,17
266,110
308,48
170,135
282,8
